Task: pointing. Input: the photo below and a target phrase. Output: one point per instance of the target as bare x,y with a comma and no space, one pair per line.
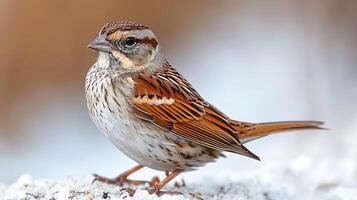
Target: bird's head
133,46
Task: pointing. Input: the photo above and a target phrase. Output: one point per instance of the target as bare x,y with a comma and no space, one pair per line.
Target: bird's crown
121,26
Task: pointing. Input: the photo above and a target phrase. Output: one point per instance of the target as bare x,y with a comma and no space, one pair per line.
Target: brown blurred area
43,43
254,60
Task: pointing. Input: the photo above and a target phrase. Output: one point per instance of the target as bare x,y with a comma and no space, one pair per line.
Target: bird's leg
177,184
123,178
156,188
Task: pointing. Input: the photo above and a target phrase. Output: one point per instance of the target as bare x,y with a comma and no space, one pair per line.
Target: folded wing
169,101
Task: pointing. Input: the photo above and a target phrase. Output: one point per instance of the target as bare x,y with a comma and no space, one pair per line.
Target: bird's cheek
125,62
142,56
138,60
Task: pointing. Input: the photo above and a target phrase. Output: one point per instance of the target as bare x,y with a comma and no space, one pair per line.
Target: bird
152,114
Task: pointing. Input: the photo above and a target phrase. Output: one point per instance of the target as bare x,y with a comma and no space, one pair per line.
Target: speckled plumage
152,113
149,145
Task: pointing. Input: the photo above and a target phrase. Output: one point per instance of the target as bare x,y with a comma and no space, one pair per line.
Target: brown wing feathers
172,102
166,99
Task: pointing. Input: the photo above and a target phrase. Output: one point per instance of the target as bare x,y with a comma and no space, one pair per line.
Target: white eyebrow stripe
140,34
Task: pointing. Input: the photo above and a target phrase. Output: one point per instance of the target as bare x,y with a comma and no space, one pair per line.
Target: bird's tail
252,131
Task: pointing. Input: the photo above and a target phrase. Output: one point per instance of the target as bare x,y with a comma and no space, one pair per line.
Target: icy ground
302,179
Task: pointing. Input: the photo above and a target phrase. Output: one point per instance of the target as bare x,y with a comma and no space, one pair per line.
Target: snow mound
70,188
304,178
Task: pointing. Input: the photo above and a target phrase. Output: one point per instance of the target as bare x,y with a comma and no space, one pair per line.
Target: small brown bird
152,113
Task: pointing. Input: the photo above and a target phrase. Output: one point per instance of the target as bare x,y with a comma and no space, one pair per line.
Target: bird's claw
121,180
131,192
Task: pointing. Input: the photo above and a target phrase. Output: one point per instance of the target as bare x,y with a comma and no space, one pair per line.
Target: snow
82,188
303,178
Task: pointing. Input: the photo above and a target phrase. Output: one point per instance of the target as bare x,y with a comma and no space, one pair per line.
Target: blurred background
256,61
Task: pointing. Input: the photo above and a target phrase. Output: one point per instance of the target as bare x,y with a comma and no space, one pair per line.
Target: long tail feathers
252,131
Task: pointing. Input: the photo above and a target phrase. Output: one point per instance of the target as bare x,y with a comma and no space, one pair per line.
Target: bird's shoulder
166,82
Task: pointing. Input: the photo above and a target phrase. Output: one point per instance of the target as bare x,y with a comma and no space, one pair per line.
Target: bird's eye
129,42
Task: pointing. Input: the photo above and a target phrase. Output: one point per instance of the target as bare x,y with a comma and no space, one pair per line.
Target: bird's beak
101,44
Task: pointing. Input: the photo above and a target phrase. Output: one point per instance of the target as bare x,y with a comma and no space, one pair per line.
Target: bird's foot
155,190
121,180
152,190
131,192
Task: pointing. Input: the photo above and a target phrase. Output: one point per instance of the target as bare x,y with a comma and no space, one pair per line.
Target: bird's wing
166,99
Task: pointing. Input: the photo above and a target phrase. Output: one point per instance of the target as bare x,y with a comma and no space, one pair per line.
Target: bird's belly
155,148
142,141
